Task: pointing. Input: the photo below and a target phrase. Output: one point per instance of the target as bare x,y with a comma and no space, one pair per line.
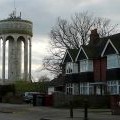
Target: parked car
28,96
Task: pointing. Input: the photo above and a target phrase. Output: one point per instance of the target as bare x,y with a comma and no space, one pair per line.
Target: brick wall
100,69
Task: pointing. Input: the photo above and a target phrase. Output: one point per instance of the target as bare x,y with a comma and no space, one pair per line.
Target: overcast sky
44,13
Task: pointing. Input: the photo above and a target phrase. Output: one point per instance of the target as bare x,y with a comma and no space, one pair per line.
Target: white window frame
113,61
113,87
86,65
72,89
71,68
75,89
85,88
69,88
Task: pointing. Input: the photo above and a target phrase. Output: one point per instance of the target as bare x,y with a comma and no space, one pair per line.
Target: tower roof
14,24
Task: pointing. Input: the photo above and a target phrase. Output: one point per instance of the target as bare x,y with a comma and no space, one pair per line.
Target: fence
63,100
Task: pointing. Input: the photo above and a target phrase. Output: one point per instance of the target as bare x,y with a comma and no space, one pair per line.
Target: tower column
3,61
18,56
26,59
1,55
30,47
16,64
11,58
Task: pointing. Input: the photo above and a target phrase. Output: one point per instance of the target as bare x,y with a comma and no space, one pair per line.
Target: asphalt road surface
28,112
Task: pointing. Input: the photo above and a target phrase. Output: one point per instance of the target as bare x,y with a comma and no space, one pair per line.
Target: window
119,86
71,68
86,65
83,66
113,61
72,89
76,89
69,88
113,87
75,68
91,90
84,88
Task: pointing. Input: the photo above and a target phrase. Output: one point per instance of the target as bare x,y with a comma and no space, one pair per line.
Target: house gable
81,55
67,58
109,49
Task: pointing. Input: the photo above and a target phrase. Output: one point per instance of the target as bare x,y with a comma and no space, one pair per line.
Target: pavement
28,112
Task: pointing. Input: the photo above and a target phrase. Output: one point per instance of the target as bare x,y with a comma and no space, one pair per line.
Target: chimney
94,37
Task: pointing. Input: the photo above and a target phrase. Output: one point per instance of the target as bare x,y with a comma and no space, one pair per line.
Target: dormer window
113,61
86,65
71,68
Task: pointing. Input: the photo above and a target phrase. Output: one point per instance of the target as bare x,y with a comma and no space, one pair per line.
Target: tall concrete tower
18,33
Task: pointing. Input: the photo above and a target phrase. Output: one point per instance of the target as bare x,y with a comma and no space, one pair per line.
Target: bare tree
44,78
73,34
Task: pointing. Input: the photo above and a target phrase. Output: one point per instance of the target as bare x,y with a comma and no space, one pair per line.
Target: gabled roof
67,56
72,53
98,49
84,55
115,39
110,47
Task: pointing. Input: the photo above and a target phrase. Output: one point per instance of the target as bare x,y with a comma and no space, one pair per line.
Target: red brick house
93,69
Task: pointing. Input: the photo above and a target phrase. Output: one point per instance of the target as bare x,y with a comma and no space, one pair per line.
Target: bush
4,89
25,86
11,98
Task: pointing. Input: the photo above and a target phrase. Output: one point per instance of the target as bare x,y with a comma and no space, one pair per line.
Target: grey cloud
44,13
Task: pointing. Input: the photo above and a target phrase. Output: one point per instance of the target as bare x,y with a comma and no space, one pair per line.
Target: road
28,112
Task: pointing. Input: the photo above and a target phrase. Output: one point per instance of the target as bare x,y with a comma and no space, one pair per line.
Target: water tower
17,33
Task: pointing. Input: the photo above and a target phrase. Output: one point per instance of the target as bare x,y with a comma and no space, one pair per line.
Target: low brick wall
62,100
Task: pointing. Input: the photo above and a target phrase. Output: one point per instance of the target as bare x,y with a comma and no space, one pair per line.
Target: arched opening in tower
1,44
29,59
10,61
20,55
6,58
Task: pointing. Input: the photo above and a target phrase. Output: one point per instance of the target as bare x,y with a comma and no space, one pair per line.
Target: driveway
28,112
